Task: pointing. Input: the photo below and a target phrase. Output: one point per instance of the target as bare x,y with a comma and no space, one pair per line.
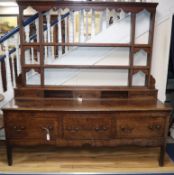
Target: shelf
88,45
87,66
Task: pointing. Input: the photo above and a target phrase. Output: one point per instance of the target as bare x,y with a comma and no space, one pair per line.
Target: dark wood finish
44,5
162,154
11,69
22,39
134,127
4,76
1,118
134,8
131,53
144,46
71,116
9,154
151,33
74,123
15,69
87,126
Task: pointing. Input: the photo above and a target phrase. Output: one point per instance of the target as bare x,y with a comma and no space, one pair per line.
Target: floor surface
105,160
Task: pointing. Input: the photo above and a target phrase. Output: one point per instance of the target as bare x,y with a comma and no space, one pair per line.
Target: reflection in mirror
142,27
33,77
140,58
31,31
139,79
86,77
32,55
87,56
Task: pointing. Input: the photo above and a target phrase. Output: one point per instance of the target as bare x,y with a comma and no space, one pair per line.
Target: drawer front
28,127
140,127
87,127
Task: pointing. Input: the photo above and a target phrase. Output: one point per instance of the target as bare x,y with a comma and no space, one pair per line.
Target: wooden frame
134,8
93,115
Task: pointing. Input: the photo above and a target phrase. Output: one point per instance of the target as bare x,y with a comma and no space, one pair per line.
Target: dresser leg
162,155
9,155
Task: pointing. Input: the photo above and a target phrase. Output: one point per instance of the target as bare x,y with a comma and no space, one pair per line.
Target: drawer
18,127
140,127
88,127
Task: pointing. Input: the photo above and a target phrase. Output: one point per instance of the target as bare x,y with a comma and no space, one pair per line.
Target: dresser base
93,123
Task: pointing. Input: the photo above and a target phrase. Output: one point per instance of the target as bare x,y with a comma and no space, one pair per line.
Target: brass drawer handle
73,129
105,128
76,129
101,129
154,127
19,128
69,129
97,129
158,127
127,130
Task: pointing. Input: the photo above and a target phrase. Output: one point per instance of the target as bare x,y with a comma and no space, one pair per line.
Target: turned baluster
71,27
86,26
66,33
45,48
7,64
4,75
37,34
1,83
48,19
52,40
12,67
37,29
27,52
27,33
114,15
81,26
16,38
93,23
32,54
103,21
59,32
107,18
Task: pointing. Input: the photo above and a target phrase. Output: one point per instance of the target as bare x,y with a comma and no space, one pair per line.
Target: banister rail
26,22
9,63
15,30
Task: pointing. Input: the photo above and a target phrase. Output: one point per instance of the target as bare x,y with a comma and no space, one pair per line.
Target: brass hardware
105,129
101,129
154,127
97,129
76,129
19,128
158,127
127,130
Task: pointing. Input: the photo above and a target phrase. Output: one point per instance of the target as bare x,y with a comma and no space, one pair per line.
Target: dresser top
85,105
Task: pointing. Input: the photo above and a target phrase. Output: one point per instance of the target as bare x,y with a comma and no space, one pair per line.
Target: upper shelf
89,45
